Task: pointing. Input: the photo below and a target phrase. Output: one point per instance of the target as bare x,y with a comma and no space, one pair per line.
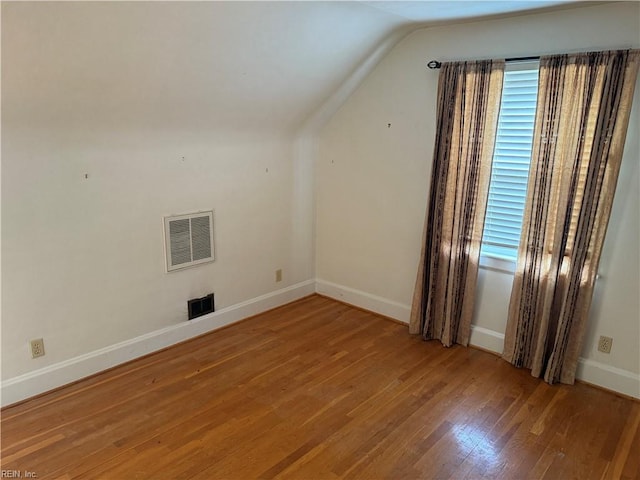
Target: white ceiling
214,65
435,11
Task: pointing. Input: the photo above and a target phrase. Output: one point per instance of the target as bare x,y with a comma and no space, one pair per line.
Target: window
511,159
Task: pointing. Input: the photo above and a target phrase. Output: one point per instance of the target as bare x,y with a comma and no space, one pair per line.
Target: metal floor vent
198,307
188,240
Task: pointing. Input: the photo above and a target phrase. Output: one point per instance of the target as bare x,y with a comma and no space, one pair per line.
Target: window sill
497,263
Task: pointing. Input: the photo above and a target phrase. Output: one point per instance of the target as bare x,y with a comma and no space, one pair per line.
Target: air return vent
188,239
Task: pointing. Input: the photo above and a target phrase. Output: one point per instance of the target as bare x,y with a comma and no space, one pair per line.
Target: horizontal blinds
510,170
582,168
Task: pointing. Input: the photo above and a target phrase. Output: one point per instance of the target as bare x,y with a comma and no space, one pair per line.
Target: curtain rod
434,64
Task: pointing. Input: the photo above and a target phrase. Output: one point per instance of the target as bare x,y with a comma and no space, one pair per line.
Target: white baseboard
358,298
53,376
611,378
590,371
487,339
480,336
62,373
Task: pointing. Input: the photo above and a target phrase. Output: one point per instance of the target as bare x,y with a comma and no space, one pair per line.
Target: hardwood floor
320,390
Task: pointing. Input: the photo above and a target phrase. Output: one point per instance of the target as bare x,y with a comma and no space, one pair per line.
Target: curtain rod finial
433,64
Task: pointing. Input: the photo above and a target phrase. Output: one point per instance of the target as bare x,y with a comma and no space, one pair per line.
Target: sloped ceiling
214,65
438,11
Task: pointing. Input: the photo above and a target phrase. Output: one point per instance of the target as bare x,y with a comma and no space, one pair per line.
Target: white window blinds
512,155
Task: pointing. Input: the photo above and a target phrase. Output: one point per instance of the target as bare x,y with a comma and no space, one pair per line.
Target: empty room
319,240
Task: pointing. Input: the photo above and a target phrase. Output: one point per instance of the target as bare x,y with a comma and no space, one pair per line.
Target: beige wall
374,169
168,107
109,94
82,258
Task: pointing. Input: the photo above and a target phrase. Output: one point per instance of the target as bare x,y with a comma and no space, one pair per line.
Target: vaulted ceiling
231,65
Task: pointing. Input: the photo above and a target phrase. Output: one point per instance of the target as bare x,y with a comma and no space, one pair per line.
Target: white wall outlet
279,275
604,344
37,348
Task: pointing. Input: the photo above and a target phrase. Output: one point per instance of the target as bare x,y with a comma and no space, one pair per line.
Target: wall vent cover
198,307
188,240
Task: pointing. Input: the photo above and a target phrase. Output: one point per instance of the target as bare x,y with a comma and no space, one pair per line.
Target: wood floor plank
321,390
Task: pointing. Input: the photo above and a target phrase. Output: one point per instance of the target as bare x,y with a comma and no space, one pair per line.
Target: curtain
467,116
583,110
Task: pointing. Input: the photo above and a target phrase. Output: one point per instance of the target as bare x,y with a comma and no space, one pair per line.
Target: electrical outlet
604,344
279,275
37,348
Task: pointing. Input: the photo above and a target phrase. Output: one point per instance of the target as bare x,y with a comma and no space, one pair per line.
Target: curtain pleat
468,106
583,110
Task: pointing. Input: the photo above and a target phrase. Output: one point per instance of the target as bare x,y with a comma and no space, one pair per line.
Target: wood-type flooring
320,390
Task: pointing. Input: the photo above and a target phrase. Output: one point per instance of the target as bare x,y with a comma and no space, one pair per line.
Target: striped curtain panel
583,111
468,106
